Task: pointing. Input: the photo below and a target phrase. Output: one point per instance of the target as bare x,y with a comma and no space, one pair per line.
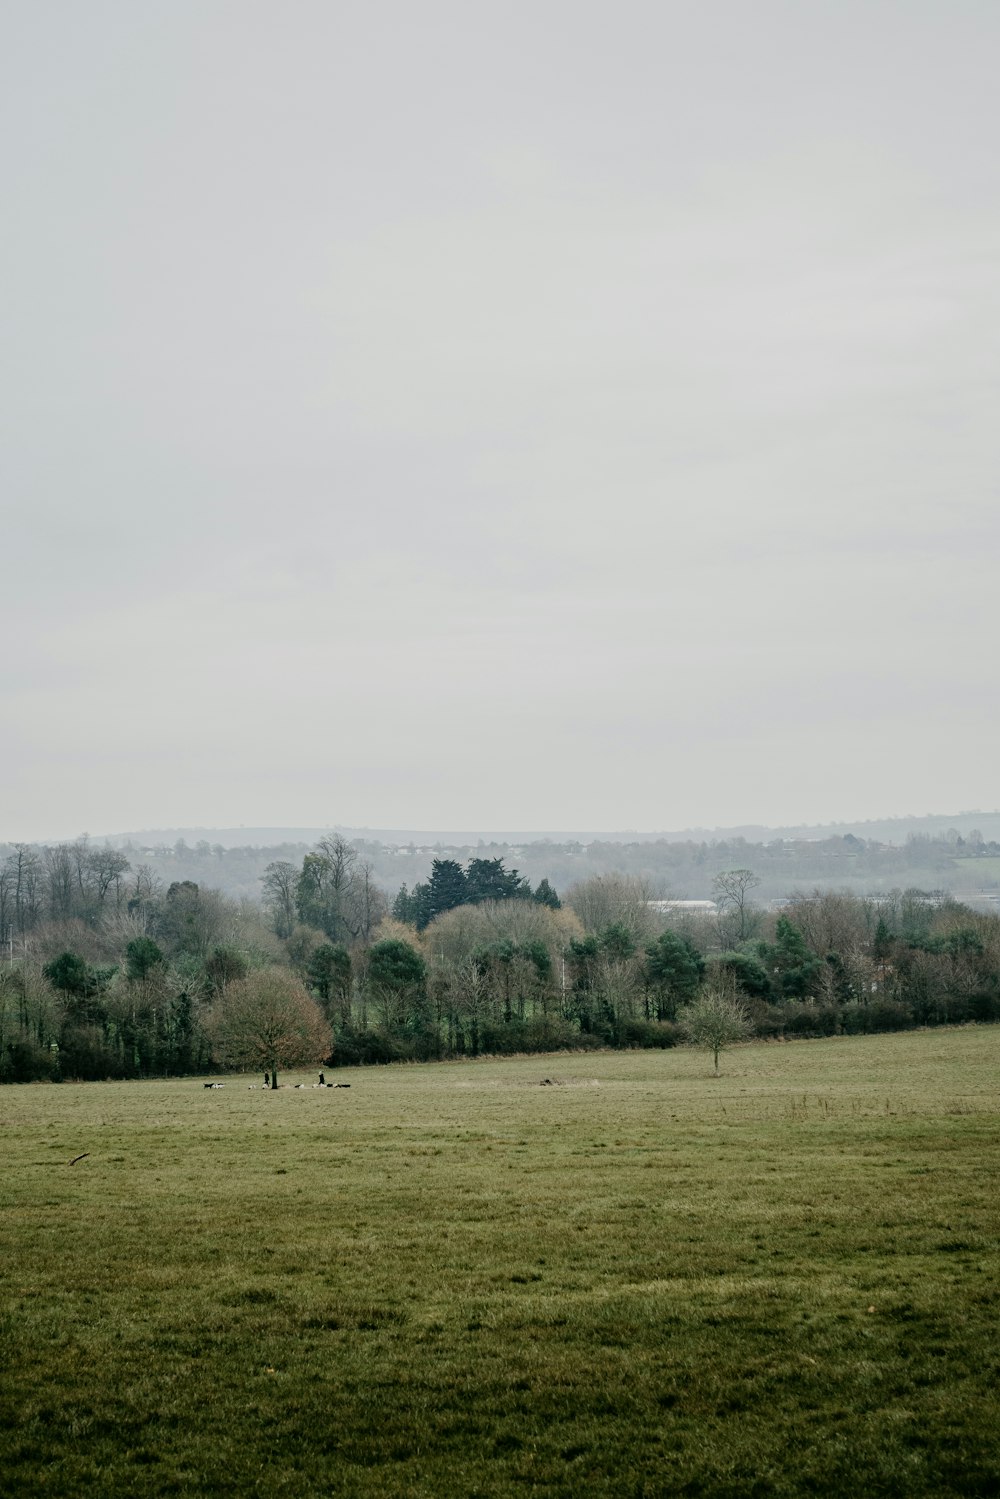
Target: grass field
459,1279
973,874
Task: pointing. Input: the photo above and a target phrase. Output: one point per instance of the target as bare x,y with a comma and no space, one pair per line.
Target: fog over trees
109,970
960,854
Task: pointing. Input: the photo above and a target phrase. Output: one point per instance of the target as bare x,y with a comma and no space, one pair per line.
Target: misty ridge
955,853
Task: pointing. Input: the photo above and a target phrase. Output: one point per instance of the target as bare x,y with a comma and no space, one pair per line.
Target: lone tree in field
266,1021
715,1020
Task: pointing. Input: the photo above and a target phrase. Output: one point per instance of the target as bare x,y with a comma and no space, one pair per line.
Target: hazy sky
516,414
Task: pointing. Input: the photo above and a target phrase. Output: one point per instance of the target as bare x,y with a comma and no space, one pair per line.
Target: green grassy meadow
459,1279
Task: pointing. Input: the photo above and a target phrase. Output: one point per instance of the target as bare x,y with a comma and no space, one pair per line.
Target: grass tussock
463,1279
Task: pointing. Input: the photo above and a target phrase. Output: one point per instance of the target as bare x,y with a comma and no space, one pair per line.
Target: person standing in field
267,1079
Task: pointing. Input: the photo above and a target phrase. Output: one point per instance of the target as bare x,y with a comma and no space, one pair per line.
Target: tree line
106,972
944,857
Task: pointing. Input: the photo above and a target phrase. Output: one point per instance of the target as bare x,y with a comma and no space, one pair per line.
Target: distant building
683,907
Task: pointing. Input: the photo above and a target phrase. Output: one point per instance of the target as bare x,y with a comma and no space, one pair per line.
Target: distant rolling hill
883,830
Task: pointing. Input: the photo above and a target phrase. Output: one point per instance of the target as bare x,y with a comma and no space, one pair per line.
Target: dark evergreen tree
329,974
546,896
422,912
538,954
447,887
750,975
181,1033
142,956
488,880
617,940
70,974
404,907
674,969
882,941
581,958
395,965
82,985
839,977
795,971
397,983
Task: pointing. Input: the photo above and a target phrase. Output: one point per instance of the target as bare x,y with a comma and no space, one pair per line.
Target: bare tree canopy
614,900
738,916
715,1020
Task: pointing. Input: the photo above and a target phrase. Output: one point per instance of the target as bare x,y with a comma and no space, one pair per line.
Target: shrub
648,1033
84,1053
984,1006
879,1015
357,1048
768,1020
891,1015
543,1033
811,1020
24,1061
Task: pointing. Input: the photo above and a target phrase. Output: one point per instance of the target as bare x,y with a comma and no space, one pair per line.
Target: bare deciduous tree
24,870
59,879
614,900
715,1020
738,916
474,1004
337,892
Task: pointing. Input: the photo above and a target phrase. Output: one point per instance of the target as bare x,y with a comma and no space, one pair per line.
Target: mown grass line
453,1280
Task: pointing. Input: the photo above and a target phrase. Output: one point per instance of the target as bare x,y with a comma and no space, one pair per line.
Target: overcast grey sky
451,414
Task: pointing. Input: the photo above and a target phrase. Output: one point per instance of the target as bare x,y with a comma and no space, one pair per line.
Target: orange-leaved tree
268,1020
